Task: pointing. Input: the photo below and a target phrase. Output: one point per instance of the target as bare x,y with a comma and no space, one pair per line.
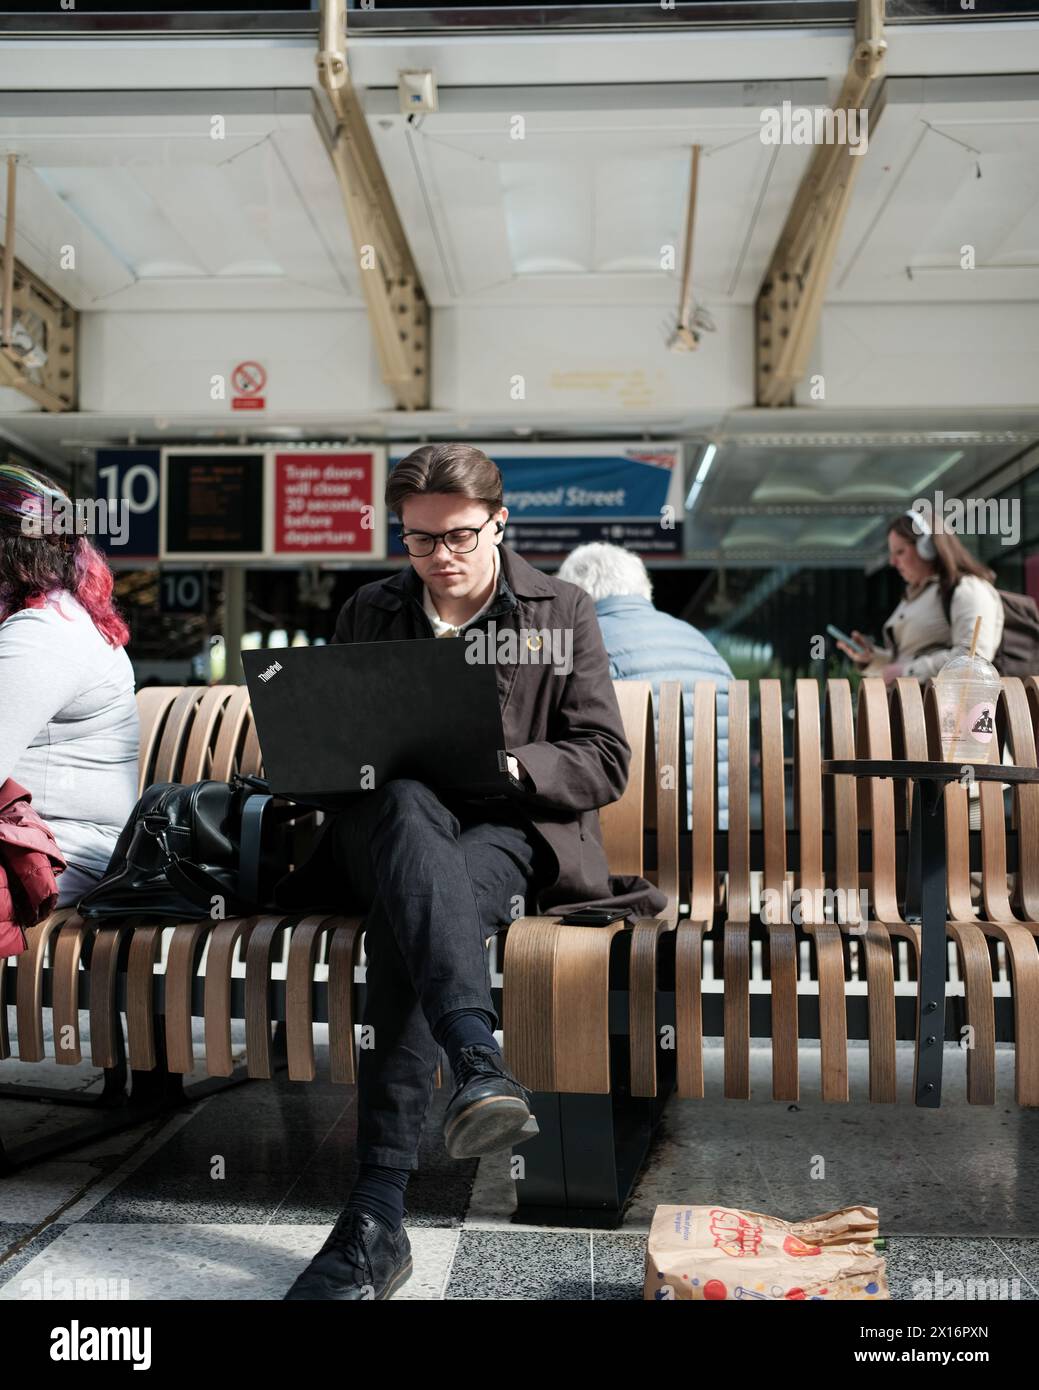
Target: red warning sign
248,380
323,503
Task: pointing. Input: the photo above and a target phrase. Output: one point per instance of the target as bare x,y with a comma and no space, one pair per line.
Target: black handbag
211,849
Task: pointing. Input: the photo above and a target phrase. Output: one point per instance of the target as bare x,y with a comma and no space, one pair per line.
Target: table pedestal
926,903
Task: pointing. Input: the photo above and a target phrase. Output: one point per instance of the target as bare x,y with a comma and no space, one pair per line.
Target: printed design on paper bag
979,721
775,1292
735,1234
794,1245
714,1290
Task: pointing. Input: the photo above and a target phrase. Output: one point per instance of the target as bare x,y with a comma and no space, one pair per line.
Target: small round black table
926,900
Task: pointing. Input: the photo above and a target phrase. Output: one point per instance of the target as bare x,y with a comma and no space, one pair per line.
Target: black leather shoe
490,1110
361,1259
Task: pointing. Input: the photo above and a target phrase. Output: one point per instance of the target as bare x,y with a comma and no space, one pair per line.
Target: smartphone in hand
840,636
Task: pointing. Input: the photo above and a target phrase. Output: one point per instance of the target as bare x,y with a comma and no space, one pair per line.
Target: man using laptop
439,874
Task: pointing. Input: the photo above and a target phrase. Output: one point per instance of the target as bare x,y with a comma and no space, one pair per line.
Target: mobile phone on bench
593,917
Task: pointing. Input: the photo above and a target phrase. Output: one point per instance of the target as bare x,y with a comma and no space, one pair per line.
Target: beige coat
918,637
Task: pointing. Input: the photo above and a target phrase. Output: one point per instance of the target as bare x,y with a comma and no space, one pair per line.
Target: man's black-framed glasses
459,541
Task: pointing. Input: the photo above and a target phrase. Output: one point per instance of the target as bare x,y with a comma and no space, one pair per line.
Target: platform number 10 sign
129,479
182,591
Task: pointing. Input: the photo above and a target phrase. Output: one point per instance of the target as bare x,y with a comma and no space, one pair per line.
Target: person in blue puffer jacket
646,645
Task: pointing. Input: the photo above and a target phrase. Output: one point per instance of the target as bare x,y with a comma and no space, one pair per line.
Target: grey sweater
69,732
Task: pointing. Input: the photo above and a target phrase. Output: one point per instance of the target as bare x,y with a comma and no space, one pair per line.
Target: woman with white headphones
946,590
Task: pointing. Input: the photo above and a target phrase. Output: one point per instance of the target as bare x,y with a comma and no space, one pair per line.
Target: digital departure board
212,504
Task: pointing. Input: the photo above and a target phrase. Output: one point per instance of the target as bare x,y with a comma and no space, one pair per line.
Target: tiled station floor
229,1198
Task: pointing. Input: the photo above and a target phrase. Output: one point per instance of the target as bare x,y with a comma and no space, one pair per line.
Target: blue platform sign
563,495
129,479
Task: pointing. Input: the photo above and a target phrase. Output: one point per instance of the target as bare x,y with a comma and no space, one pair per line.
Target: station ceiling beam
397,307
790,301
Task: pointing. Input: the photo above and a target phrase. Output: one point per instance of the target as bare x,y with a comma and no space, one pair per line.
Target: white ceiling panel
162,215
561,195
951,164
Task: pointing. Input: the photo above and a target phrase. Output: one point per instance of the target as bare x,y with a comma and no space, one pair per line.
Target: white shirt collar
442,629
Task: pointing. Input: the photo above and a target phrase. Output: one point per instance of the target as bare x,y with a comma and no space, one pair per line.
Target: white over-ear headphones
925,540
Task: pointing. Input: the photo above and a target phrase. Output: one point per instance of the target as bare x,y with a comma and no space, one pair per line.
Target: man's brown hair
445,468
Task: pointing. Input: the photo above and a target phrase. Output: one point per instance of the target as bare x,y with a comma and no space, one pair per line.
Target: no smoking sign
248,380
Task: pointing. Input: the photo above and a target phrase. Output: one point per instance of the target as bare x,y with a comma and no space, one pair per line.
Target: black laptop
334,722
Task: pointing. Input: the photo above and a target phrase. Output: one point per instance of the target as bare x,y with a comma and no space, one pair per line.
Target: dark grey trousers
437,878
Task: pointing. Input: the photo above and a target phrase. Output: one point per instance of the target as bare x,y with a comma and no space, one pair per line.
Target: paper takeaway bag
725,1253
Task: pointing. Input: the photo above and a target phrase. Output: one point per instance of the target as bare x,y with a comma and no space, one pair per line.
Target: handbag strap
253,813
201,887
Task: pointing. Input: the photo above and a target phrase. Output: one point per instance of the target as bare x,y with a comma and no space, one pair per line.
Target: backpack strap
946,597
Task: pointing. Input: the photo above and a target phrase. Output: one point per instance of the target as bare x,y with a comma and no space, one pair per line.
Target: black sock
379,1190
464,1028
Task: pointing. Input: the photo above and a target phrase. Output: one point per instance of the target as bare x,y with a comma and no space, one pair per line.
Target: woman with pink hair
68,717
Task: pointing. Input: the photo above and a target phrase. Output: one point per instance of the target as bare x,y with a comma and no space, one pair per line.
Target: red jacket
30,861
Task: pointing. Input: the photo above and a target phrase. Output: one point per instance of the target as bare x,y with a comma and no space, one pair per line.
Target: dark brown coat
565,729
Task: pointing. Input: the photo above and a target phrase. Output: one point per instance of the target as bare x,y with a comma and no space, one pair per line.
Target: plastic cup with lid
967,688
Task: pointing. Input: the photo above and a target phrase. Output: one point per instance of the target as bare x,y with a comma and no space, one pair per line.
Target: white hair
605,571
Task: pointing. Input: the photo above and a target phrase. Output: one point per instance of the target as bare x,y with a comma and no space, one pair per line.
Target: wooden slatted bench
603,1025
280,973
786,934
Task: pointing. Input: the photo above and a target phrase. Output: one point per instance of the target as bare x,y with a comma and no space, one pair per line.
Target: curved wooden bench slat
624,821
738,888
873,938
299,995
703,889
995,874
669,769
153,705
1031,685
736,936
216,1009
1021,737
259,1053
198,756
65,956
840,795
808,797
826,938
642,1006
343,952
972,950
668,772
175,734
689,1010
181,968
880,993
105,1024
230,738
29,985
874,741
736,951
957,815
782,952
555,997
976,973
140,996
1023,968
